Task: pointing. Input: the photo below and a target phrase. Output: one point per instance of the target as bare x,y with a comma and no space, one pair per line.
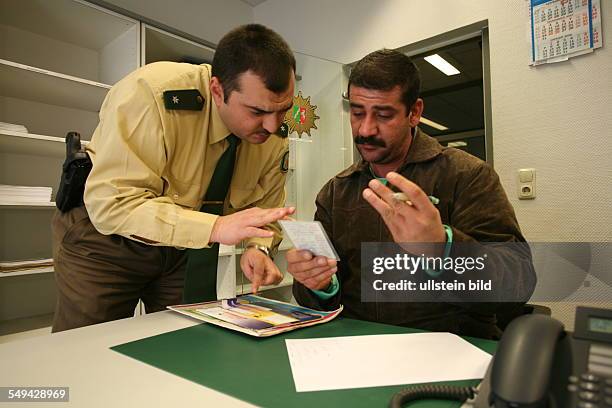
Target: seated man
356,207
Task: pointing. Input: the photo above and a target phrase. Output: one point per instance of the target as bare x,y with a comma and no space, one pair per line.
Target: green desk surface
257,370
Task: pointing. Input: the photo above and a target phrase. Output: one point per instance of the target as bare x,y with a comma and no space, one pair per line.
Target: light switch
526,175
526,184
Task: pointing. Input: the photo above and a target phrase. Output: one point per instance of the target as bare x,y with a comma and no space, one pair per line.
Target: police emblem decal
301,117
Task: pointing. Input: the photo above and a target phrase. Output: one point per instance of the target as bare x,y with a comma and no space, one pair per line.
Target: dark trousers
101,277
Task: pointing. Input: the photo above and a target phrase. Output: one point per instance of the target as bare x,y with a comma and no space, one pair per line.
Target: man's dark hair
385,69
258,49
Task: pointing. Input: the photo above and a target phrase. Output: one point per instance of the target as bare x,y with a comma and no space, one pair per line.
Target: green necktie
201,269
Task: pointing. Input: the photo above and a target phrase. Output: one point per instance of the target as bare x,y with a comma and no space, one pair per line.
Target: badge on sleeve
284,163
183,99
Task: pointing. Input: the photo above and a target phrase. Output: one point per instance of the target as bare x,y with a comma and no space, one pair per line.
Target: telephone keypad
591,390
589,386
590,377
589,396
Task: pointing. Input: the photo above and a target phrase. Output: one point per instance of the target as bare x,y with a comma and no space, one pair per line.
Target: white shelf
48,269
36,84
67,21
30,143
69,37
26,206
159,45
247,288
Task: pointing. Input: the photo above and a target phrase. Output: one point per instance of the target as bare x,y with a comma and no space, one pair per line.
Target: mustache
369,141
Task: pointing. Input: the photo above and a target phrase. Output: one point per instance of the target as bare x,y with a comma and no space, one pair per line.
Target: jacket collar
423,148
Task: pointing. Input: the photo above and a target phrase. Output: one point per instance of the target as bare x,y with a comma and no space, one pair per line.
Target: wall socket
526,184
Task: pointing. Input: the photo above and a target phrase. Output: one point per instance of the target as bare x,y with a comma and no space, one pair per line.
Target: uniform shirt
152,165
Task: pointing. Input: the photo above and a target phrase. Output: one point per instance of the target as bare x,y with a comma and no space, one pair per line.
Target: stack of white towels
13,128
15,195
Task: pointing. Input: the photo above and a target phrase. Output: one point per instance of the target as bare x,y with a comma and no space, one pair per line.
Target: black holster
75,170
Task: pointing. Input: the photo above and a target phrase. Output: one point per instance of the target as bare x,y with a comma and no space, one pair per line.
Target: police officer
184,157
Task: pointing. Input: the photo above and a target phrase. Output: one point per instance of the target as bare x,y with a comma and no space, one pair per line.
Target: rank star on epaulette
283,130
183,99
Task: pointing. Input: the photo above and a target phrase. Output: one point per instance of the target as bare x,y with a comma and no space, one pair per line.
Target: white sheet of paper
337,363
311,236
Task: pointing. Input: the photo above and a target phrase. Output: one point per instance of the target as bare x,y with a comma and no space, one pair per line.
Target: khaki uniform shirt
152,166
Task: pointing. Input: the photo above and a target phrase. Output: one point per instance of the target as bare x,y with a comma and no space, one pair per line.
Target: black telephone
538,364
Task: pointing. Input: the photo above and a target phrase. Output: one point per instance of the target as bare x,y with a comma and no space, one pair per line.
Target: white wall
206,19
324,156
554,118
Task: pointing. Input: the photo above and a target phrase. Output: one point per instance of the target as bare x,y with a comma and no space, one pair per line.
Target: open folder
255,315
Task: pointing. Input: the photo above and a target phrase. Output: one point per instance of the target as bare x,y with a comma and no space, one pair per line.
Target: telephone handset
532,360
538,364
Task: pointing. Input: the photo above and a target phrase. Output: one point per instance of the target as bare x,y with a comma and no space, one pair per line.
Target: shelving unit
29,143
57,62
32,206
69,37
39,85
159,45
29,272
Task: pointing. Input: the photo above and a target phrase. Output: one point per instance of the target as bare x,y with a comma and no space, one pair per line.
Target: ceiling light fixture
442,64
433,124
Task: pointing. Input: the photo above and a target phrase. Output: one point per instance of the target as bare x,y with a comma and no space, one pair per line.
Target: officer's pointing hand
259,268
233,228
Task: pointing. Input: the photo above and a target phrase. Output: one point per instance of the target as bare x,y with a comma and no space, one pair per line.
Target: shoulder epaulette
183,99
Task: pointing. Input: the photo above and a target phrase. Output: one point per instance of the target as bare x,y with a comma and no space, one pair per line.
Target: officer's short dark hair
385,69
258,49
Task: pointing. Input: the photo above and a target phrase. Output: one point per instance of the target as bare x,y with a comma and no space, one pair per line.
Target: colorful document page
336,363
255,315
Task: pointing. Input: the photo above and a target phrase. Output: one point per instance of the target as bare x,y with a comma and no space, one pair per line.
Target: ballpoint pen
402,197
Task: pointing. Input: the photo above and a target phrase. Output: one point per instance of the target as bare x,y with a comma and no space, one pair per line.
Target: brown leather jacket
472,202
